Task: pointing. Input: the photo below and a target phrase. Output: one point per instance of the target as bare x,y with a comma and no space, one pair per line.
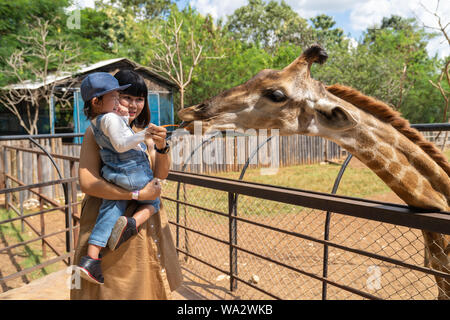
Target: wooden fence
31,168
231,153
210,156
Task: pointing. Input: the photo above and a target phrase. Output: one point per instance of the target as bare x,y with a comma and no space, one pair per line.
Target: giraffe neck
402,165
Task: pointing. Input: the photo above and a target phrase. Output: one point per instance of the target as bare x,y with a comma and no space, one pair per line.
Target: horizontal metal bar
200,233
41,136
195,206
202,261
40,212
431,126
256,287
34,268
41,196
36,185
35,239
361,208
37,151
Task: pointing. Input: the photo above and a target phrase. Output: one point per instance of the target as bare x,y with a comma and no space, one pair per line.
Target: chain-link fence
265,246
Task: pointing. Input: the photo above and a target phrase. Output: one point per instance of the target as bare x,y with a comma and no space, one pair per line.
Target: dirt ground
13,260
348,269
345,268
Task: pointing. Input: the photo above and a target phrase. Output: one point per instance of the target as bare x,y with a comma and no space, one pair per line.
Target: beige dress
144,267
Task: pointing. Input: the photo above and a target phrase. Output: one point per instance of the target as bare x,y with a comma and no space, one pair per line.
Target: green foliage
390,62
145,8
267,24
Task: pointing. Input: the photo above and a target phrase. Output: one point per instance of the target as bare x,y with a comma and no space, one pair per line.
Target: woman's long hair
138,88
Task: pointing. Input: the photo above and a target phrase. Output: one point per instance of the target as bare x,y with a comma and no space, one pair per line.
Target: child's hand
158,134
121,111
151,191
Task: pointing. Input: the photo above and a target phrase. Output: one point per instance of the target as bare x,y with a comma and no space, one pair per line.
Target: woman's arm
93,184
161,162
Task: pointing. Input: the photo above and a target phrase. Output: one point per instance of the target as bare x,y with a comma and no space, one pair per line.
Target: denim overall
129,170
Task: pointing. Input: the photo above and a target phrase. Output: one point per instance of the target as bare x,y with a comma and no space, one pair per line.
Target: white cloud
310,8
217,9
362,13
84,3
369,13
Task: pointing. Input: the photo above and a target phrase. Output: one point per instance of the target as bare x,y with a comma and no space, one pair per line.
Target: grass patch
356,182
26,256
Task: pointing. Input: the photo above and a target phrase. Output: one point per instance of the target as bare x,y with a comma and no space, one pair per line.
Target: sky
353,16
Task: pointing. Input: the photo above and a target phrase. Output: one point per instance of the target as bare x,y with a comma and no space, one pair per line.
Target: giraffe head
288,100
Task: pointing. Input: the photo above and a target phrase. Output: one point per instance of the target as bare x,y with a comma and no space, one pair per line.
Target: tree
178,51
268,24
325,33
43,59
17,16
443,82
145,9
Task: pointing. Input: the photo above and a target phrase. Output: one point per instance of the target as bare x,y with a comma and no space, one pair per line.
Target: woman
146,266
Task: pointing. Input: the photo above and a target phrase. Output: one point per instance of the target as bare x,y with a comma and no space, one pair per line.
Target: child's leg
145,210
93,251
110,211
142,213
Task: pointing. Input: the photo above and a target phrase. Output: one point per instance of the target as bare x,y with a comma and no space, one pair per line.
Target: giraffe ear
335,118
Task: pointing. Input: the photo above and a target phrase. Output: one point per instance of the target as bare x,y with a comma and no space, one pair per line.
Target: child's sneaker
91,270
123,230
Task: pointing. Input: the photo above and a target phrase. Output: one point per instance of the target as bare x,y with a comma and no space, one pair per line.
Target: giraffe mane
386,114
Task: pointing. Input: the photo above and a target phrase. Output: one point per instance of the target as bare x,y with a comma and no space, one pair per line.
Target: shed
160,97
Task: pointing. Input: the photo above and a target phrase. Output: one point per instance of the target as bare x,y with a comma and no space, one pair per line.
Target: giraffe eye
276,96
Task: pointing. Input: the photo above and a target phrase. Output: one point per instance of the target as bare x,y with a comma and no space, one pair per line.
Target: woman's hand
151,191
158,134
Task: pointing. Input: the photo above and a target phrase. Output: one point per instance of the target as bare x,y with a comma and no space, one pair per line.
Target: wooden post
7,182
19,177
41,204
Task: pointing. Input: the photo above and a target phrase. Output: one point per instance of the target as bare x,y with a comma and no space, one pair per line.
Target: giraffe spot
405,195
365,141
402,159
386,152
367,154
388,138
394,168
431,199
387,177
424,165
377,164
410,179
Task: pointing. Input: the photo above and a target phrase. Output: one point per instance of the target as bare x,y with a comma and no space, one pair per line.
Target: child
125,164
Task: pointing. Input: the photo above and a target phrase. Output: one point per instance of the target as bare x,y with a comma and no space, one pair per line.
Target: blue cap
99,83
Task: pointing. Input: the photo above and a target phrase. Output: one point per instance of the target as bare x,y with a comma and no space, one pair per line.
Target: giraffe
291,101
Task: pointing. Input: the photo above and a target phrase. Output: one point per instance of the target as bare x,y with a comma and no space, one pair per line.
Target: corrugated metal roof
28,84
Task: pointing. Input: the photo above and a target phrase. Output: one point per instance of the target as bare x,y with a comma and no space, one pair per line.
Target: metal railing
69,209
371,210
258,239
